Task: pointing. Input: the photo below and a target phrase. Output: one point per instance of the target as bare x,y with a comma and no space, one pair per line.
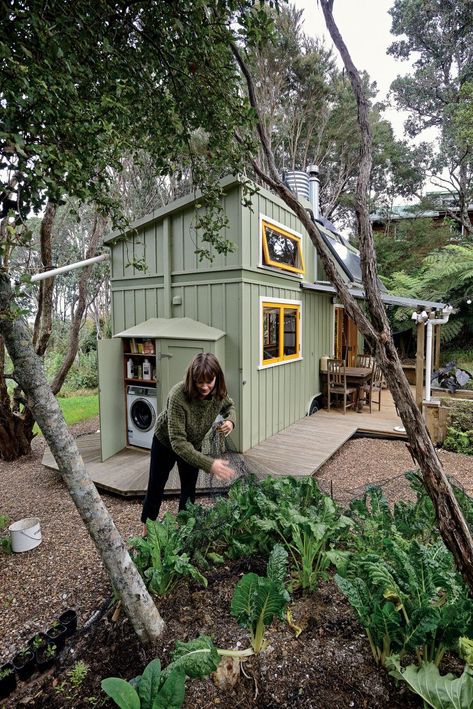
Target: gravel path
65,571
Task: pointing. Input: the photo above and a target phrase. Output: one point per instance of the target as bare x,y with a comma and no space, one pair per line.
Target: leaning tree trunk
376,329
453,527
28,371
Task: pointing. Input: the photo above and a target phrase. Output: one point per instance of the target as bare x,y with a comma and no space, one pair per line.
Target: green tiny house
247,306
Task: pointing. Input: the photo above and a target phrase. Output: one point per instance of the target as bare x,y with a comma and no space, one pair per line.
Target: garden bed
328,665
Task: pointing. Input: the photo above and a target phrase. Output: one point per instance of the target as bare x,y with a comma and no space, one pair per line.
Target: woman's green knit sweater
183,424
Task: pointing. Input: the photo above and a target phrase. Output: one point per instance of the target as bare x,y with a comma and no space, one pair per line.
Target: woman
190,411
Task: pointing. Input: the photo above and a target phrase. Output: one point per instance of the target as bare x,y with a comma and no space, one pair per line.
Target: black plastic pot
57,634
69,619
7,681
23,663
46,656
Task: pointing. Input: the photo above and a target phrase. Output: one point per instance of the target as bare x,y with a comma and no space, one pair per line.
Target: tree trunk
28,371
80,305
14,439
44,315
376,329
452,525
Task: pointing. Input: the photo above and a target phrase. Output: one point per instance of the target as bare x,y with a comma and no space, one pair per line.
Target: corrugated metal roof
387,298
173,328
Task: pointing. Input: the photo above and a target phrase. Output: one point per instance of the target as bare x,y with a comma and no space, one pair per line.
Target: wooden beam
420,364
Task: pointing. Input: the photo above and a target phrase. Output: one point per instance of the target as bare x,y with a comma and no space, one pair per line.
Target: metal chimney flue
314,188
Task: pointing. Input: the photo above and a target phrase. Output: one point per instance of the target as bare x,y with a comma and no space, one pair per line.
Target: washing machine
141,415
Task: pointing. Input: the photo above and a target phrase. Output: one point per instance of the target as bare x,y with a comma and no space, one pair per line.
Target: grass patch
77,408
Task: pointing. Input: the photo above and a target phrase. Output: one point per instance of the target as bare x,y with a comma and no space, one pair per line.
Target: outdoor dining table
356,376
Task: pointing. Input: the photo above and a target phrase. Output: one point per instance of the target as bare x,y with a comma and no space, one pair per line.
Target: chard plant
409,598
306,534
437,691
225,529
257,599
159,556
164,688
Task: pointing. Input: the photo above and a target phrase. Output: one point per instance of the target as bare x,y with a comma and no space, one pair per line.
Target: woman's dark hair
203,368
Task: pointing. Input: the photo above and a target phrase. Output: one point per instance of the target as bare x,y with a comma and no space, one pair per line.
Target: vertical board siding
274,397
267,400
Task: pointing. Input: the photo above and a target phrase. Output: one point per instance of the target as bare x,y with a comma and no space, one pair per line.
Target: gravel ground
65,571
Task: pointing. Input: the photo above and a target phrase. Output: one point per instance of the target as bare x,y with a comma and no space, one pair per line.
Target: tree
309,115
82,84
375,327
439,35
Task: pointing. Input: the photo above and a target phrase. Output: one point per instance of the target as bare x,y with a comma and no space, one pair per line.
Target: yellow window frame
282,307
268,261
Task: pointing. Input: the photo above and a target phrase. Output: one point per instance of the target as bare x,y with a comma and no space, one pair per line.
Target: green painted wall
226,294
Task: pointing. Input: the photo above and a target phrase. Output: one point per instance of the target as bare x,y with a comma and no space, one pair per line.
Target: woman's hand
226,428
221,469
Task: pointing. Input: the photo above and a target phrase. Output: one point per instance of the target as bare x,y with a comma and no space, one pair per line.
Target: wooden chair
375,386
364,360
337,384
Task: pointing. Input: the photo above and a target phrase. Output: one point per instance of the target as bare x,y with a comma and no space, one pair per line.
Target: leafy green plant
438,691
225,529
75,677
159,556
165,689
6,672
257,599
374,520
459,441
5,542
409,598
78,673
306,532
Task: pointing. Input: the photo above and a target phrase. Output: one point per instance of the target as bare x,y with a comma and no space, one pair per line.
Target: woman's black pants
161,463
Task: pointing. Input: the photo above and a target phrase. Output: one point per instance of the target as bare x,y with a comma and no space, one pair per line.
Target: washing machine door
143,415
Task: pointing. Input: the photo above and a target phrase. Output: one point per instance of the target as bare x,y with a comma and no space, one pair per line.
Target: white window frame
279,269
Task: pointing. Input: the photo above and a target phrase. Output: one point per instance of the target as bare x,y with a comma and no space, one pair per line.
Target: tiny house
248,307
266,310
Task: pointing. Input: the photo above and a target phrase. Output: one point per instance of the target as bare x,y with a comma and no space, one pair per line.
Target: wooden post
420,364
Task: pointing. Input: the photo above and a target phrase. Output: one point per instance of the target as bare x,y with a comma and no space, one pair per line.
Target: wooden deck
299,450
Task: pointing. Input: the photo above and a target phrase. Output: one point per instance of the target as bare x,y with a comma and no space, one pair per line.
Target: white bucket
25,534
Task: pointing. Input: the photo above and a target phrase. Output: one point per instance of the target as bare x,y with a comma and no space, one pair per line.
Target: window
281,332
282,249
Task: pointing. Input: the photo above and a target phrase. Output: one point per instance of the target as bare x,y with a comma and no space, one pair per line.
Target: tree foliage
308,111
438,35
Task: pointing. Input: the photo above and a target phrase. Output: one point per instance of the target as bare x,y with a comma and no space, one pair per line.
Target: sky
365,27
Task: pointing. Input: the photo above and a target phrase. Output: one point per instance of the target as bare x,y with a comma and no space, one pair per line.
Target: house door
346,337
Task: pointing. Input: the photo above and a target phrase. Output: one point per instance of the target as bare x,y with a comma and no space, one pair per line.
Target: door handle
163,355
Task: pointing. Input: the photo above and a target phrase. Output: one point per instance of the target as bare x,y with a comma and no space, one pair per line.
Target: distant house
266,310
443,206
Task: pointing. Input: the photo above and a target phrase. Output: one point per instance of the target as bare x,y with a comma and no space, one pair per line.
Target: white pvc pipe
428,353
428,360
69,267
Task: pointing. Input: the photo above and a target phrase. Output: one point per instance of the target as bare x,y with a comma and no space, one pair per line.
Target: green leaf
197,658
439,691
121,692
171,694
149,683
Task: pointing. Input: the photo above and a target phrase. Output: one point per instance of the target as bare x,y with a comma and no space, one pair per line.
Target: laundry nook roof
173,328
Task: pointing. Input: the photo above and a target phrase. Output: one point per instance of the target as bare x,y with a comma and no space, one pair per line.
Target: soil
328,666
